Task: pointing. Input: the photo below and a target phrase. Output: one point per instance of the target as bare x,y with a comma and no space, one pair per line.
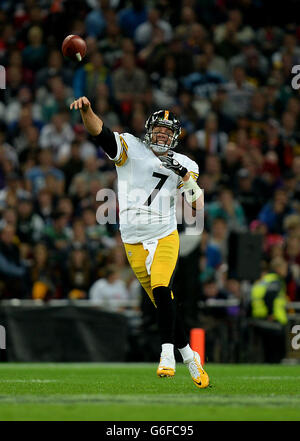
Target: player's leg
136,255
189,357
162,273
170,316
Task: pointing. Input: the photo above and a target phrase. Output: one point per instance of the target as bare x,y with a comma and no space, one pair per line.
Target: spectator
12,270
28,156
24,97
273,213
211,252
231,163
145,31
56,133
89,173
64,205
257,116
36,177
129,83
54,68
219,236
210,139
88,77
57,236
45,205
207,184
165,84
42,274
6,150
58,100
34,55
202,83
268,301
12,190
72,163
215,62
86,148
110,293
229,46
30,224
187,19
248,195
244,33
227,208
25,121
254,63
195,39
95,23
79,276
133,16
96,233
213,168
14,78
111,46
103,108
239,93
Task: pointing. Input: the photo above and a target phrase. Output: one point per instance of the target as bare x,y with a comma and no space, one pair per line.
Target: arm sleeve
107,141
113,145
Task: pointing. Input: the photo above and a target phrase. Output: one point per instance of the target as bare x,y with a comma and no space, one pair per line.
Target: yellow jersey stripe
194,175
123,142
123,157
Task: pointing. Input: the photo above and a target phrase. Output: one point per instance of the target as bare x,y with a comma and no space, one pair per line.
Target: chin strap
191,190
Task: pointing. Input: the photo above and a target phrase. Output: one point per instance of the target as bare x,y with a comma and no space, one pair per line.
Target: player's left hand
172,164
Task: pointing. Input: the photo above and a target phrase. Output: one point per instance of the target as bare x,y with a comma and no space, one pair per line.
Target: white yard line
30,380
269,377
177,400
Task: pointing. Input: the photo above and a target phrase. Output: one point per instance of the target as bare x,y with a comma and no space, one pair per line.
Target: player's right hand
81,103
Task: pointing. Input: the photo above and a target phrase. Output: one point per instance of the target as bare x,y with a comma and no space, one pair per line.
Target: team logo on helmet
162,118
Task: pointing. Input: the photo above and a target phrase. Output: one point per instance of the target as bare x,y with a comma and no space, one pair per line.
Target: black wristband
182,171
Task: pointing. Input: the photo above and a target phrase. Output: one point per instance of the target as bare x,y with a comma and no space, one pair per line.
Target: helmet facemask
162,119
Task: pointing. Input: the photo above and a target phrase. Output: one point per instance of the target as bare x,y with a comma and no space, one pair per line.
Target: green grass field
128,392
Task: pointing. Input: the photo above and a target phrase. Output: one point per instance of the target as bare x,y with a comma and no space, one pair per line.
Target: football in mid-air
74,47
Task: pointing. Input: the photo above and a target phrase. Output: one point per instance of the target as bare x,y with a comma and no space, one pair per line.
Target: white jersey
147,191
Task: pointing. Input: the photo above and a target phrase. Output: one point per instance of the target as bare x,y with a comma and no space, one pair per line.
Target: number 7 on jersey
162,179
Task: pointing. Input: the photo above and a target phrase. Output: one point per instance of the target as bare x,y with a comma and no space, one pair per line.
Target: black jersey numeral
162,180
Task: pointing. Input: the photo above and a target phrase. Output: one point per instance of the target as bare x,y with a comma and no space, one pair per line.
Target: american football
74,47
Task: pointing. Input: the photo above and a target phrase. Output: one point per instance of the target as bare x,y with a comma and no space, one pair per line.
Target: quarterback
150,175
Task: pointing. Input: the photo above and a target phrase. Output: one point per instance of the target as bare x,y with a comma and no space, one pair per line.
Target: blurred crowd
220,68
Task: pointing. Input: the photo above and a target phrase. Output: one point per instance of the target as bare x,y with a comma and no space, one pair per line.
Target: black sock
181,338
166,314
